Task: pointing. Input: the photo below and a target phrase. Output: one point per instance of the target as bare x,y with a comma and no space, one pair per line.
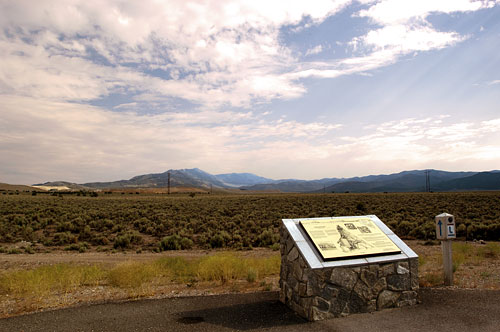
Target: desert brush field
65,250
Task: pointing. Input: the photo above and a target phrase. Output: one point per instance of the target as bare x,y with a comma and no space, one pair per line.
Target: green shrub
72,247
63,238
404,228
122,242
217,241
127,240
80,247
29,250
175,242
172,242
186,243
99,240
361,207
461,230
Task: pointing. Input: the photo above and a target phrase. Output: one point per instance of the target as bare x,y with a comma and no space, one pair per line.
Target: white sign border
315,261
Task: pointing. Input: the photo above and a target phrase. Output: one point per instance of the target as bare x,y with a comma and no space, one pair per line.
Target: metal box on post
445,226
445,231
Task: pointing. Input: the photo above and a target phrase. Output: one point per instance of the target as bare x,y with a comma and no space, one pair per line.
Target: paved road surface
440,310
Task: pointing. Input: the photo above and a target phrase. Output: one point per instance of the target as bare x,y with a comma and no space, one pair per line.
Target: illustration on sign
339,238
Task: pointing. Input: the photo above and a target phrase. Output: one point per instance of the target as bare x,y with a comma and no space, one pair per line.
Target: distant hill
406,181
292,185
194,177
14,187
242,179
479,181
398,182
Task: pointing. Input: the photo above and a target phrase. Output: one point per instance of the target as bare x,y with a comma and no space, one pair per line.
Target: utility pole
427,180
168,182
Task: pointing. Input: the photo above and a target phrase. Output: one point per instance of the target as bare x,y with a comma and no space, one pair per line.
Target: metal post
447,262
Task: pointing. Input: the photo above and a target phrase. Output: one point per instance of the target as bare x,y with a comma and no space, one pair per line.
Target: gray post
447,262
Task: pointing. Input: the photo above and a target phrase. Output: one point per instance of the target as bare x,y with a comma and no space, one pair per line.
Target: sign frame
338,238
314,260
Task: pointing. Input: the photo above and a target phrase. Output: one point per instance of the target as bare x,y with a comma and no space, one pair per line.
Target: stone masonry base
318,294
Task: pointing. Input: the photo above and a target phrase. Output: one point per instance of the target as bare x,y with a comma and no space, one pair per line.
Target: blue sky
106,90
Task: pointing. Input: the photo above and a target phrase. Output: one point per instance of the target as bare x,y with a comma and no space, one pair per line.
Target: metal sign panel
339,238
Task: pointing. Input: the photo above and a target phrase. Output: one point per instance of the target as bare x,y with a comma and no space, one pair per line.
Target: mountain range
406,181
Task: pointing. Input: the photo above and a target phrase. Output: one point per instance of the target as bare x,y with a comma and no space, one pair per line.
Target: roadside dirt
477,274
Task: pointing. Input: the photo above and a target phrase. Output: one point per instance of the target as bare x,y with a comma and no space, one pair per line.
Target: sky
106,90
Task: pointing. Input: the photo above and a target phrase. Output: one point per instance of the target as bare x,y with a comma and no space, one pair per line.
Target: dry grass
223,268
474,265
131,275
136,278
44,280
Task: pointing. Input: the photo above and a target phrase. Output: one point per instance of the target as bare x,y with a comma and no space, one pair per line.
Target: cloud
60,140
404,27
430,141
404,39
400,28
396,12
224,54
44,140
315,50
180,80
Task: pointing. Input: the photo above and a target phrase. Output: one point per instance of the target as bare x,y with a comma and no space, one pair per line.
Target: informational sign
445,226
339,238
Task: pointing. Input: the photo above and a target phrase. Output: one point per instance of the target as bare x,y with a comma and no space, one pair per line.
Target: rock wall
318,294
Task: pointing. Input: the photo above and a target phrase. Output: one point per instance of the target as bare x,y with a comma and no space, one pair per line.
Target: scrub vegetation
160,222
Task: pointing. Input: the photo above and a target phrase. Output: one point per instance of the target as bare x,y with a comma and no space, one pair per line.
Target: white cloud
315,50
75,142
58,56
405,39
404,27
225,53
396,12
401,29
431,142
46,140
215,51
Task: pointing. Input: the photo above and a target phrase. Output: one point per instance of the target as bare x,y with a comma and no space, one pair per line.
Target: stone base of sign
318,294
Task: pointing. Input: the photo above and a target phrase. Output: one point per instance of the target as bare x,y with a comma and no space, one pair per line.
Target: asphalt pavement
439,310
